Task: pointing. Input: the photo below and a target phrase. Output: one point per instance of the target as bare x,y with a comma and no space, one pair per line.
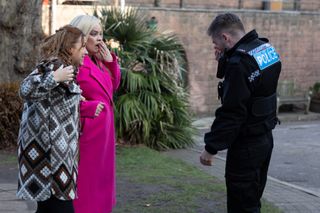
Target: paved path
296,157
8,187
9,202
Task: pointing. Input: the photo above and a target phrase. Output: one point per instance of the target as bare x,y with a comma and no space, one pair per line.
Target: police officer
243,124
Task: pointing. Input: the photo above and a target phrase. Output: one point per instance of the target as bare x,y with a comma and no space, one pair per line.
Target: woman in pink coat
98,77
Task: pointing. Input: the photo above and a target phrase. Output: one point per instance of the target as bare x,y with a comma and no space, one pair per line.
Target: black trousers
246,173
54,205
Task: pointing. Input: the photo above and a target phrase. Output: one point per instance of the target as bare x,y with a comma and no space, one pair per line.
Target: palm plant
152,103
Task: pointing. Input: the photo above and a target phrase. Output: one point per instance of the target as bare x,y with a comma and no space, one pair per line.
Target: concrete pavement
296,154
9,202
8,186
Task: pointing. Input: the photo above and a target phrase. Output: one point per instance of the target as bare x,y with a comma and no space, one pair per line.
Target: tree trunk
20,33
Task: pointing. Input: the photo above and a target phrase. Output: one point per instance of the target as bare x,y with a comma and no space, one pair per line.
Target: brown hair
59,44
227,22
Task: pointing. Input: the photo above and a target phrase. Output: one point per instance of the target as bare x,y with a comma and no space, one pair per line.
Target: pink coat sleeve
88,108
115,70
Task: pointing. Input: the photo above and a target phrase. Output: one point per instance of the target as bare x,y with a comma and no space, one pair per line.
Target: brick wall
294,35
204,4
305,5
310,5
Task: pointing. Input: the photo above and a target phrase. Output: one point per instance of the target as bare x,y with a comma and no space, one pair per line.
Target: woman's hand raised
64,74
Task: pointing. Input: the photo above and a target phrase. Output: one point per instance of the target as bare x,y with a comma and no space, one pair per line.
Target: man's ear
225,36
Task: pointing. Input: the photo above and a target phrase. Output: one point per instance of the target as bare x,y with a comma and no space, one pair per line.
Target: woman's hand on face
64,74
104,53
99,109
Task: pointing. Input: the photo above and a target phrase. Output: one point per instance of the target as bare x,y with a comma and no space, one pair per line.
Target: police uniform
244,122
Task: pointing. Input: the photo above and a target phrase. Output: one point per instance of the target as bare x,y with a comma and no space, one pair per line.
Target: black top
243,81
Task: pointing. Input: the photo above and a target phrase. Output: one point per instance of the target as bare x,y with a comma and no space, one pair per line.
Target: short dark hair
228,22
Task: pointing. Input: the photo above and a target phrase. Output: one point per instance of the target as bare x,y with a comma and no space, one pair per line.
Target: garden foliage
152,102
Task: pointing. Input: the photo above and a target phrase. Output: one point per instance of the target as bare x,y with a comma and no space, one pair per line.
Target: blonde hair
85,23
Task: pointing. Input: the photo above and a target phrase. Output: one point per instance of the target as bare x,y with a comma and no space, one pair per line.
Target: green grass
151,182
7,157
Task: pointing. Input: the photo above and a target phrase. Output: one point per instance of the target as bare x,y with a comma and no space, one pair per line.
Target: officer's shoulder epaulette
241,51
237,55
234,59
264,40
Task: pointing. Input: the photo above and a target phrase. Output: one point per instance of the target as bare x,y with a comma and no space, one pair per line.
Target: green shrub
10,111
152,104
316,91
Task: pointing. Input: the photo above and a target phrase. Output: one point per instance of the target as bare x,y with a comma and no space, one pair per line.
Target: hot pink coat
96,179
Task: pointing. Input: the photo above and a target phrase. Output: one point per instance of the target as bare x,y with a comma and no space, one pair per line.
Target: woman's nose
99,38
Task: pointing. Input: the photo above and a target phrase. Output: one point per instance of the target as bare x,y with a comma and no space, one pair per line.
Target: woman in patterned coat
49,130
98,77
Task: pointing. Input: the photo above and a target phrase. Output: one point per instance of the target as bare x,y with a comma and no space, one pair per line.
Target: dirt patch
133,197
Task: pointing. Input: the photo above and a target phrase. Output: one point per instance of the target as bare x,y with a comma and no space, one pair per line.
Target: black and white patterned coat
48,138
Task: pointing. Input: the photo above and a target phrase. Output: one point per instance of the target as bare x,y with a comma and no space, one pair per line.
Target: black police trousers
246,172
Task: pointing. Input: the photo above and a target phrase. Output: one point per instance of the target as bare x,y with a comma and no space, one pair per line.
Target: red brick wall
190,3
305,5
294,35
310,5
211,4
